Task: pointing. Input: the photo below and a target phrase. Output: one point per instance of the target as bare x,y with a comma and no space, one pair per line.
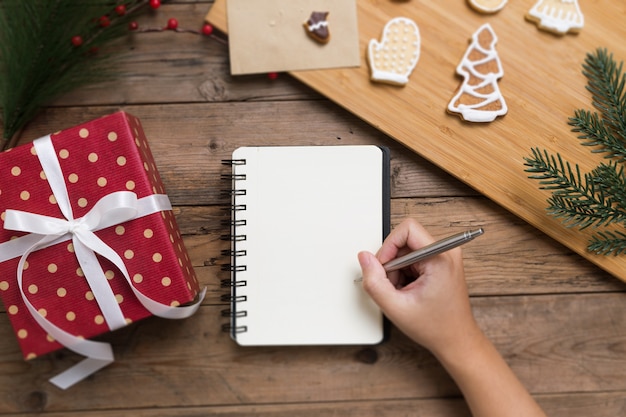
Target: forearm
490,387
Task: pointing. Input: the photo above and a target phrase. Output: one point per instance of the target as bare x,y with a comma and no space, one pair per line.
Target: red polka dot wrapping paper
97,158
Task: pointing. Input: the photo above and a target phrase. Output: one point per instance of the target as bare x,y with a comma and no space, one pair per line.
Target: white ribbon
45,231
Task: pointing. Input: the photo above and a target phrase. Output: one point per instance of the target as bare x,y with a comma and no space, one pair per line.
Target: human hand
428,301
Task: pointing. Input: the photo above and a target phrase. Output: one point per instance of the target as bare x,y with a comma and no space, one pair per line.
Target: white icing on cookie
558,16
478,99
393,58
318,25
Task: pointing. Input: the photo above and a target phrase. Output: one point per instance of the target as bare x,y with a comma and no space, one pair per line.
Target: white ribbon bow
45,231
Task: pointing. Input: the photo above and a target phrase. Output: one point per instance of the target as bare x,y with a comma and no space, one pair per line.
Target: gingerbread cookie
478,98
557,16
487,6
317,27
393,58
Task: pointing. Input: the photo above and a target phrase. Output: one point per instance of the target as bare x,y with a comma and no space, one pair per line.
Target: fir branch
610,179
594,132
607,243
606,84
552,172
582,213
597,198
39,62
580,200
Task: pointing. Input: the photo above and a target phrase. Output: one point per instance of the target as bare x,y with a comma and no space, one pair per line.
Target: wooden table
558,320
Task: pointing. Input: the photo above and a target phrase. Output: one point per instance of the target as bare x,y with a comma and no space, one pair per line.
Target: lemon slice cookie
487,6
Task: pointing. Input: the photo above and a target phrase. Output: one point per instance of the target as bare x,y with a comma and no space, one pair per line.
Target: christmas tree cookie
557,16
478,98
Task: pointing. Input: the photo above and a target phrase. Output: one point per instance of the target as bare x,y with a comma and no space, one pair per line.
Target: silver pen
433,249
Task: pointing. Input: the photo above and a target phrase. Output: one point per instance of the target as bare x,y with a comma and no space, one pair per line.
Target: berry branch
48,48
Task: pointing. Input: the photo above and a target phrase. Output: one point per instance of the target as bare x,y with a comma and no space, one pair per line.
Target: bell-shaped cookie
393,58
557,16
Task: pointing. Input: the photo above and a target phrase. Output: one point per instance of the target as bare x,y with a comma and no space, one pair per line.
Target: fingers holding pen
407,236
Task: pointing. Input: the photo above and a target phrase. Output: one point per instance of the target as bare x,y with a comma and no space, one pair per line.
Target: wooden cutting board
543,85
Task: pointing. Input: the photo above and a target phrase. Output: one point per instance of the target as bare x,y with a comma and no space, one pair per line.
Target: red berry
207,29
155,4
104,21
120,10
272,75
77,40
133,26
172,24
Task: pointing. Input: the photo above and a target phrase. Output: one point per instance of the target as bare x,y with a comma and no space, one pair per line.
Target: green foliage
39,61
597,198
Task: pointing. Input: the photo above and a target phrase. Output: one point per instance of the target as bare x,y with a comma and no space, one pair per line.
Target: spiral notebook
299,216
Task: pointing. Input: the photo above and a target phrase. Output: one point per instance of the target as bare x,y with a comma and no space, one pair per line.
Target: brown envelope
268,36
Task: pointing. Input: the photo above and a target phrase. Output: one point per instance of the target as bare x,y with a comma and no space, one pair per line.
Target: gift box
94,186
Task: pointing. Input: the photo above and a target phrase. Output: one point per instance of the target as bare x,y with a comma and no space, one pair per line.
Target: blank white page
309,211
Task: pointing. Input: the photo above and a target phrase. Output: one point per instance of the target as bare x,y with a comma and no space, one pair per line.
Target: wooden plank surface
556,318
191,363
542,86
184,138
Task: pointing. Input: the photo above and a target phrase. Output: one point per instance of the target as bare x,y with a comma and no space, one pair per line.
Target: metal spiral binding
231,162
233,254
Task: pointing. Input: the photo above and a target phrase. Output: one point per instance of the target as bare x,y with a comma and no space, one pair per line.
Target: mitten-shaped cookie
393,58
